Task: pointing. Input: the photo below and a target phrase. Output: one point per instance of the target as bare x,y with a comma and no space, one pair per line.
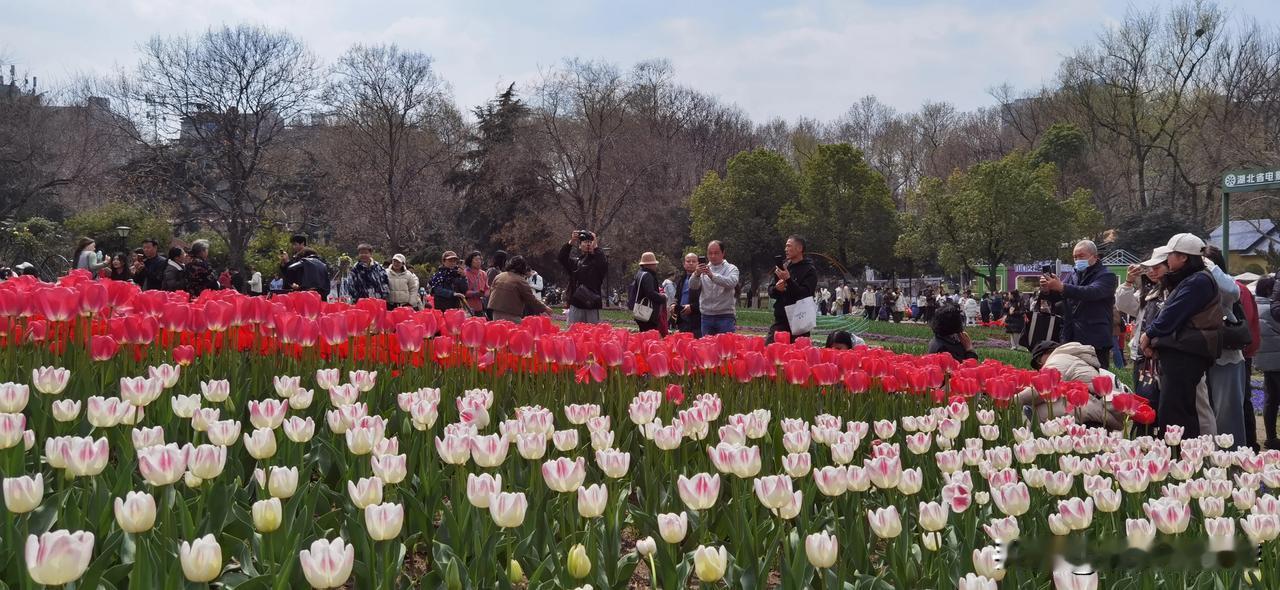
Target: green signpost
1243,181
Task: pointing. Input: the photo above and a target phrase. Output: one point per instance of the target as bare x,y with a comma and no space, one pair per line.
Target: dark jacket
1267,357
803,283
1088,306
645,287
588,271
693,321
1191,295
952,346
200,277
175,277
308,271
152,275
446,285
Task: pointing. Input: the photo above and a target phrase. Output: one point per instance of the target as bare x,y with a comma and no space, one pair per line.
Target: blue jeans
719,324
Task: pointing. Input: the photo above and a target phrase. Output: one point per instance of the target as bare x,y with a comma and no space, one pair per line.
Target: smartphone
702,260
780,261
1046,269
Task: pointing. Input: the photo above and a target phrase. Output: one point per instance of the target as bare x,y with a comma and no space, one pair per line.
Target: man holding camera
686,313
586,277
1088,300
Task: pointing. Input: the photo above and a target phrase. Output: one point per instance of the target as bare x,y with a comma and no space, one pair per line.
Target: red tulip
37,331
332,328
453,319
93,298
410,335
1103,385
495,334
797,371
857,381
826,373
1144,415
102,348
472,335
184,355
219,315
675,394
443,346
1077,394
59,304
659,364
741,372
520,342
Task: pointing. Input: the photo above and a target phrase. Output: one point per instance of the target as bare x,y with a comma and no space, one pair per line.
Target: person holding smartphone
683,304
1088,299
795,279
718,298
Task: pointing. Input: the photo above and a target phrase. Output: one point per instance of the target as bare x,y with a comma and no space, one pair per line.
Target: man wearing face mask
1088,299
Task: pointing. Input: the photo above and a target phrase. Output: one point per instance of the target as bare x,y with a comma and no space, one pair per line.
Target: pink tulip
1260,528
326,378
987,562
957,497
365,492
1002,530
885,522
267,413
489,450
215,391
205,461
23,494
563,475
1169,515
975,582
884,472
83,456
933,516
147,437
480,488
774,491
363,380
453,450
1076,513
162,465
58,557
66,410
668,438
797,465
699,492
391,469
299,430
1066,579
832,481
673,527
343,395
508,509
592,500
50,380
286,385
327,564
13,397
565,440
136,512
613,463
383,521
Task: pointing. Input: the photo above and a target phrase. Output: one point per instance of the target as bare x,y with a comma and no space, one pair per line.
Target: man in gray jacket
718,301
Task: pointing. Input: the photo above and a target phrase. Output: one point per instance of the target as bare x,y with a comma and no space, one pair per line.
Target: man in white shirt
535,281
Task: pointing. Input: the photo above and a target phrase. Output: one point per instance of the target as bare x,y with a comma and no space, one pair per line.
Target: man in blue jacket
1088,300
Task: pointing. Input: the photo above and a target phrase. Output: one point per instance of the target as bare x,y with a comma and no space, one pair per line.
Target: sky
792,59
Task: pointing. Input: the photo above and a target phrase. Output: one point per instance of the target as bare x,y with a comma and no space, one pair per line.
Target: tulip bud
261,444
646,546
821,549
366,492
930,541
592,500
384,521
282,482
515,573
885,522
579,564
201,559
327,564
23,494
673,527
58,557
136,512
987,563
267,515
710,563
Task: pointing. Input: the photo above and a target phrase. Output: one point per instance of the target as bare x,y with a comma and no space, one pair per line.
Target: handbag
641,310
1236,335
802,316
1043,326
584,298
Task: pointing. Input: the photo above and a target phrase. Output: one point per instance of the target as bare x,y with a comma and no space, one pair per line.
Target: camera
585,236
702,260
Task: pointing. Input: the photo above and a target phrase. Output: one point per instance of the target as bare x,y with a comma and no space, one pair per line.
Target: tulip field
151,441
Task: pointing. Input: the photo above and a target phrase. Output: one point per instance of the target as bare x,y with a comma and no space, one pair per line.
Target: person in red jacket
1251,316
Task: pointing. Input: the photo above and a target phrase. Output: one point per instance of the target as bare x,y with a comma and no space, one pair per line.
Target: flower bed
255,443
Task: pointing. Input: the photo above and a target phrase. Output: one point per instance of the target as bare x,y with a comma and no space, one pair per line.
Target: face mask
1081,265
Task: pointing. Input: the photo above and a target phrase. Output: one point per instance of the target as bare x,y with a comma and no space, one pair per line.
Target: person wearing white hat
645,292
1184,335
402,285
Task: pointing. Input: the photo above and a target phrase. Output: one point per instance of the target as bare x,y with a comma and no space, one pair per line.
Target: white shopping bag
802,316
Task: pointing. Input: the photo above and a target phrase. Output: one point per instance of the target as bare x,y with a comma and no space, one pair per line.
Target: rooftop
1249,236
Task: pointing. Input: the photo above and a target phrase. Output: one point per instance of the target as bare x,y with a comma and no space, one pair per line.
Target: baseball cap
399,257
1186,244
449,254
1158,256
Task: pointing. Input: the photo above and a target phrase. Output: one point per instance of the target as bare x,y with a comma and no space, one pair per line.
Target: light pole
123,232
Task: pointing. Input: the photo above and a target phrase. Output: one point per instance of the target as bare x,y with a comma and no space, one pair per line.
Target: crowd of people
1191,334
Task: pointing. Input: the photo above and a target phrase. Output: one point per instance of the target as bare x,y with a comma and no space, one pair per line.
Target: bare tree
1139,82
214,109
395,134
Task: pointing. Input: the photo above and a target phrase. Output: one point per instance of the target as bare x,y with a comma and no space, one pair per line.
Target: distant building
1251,242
